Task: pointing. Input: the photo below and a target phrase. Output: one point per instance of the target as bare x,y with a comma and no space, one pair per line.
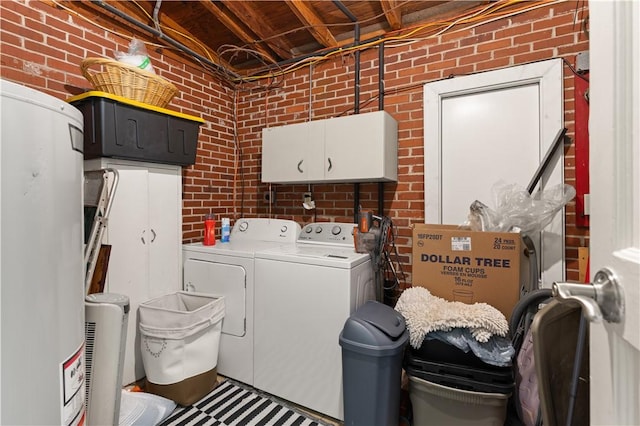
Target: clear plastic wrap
496,351
136,56
517,210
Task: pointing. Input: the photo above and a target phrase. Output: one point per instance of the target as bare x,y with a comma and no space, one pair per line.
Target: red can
209,231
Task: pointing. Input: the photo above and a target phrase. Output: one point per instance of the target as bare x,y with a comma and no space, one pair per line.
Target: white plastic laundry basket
179,337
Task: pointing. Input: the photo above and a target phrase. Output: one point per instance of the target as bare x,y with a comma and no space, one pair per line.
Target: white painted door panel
165,229
480,145
128,271
614,128
492,126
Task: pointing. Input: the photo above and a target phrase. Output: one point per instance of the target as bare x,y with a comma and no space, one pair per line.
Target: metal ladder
99,190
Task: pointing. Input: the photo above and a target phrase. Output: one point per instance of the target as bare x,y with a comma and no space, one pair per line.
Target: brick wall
42,47
553,31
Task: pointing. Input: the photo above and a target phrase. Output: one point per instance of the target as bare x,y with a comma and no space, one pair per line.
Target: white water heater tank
41,259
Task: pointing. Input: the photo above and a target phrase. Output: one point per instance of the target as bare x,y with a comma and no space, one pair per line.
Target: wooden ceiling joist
94,12
314,24
252,35
392,13
177,32
236,28
246,14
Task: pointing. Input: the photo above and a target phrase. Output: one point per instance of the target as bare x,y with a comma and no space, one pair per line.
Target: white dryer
304,295
227,269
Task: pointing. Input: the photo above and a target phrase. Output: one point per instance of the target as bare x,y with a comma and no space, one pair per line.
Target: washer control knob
284,229
336,230
308,229
318,229
243,226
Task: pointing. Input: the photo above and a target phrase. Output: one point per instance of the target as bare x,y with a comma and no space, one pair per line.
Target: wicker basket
107,75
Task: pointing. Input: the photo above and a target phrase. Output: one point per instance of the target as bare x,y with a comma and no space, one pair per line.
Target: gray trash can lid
375,328
383,317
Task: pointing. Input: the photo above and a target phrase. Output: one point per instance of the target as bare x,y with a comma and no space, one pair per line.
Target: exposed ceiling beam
231,23
314,24
245,13
100,16
176,31
392,13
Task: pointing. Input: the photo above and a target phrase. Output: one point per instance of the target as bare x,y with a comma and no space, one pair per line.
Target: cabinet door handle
300,164
154,235
142,237
330,165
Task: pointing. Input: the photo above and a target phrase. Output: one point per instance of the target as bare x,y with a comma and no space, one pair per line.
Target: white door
128,270
490,127
126,232
614,128
164,237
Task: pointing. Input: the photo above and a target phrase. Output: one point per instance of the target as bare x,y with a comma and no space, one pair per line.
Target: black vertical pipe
356,202
357,71
381,108
381,77
356,109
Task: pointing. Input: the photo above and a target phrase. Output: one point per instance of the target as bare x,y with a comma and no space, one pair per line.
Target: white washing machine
304,295
227,269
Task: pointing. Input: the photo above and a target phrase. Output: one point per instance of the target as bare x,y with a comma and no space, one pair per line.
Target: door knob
602,299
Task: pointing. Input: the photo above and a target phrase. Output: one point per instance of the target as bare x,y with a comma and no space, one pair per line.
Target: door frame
548,76
614,132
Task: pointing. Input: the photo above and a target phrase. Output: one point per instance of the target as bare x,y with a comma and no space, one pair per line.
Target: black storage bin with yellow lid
123,128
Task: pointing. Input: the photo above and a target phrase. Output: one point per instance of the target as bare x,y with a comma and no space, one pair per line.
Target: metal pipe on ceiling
356,41
317,53
344,10
156,13
161,36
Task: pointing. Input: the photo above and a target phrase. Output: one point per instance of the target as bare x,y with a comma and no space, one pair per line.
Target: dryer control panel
332,233
261,229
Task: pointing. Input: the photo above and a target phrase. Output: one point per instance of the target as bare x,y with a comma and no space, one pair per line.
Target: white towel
424,312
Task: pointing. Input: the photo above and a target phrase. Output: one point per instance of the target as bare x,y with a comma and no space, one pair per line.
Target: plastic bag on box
517,210
496,351
136,56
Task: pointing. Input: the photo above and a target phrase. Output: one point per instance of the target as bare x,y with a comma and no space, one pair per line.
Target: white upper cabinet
355,148
293,153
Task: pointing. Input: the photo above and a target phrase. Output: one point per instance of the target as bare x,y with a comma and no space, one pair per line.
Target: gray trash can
373,341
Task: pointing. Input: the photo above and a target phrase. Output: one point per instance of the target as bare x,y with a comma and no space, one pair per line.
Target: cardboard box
470,266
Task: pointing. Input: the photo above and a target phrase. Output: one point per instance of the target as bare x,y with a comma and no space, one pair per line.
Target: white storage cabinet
355,148
145,233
